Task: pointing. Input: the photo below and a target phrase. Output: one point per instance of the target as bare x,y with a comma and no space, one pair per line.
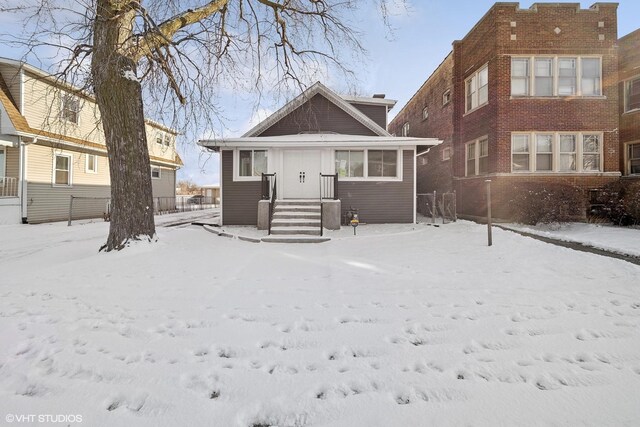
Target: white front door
301,174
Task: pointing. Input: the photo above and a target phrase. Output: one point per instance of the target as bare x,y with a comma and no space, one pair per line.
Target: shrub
536,203
620,202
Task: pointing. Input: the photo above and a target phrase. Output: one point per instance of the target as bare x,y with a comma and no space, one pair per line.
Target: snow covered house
52,147
314,160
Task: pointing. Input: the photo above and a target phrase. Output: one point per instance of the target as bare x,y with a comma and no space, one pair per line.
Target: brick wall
629,66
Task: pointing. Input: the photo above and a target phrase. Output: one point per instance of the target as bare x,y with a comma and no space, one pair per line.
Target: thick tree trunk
119,98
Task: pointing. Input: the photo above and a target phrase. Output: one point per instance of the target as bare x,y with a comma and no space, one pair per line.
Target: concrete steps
296,221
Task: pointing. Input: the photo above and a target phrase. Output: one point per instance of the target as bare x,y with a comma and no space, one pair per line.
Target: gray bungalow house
314,160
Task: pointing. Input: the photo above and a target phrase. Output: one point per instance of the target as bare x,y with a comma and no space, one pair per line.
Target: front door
301,174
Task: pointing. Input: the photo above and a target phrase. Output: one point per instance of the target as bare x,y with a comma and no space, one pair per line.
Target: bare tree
176,56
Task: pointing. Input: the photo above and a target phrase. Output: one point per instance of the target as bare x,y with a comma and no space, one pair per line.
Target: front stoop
296,221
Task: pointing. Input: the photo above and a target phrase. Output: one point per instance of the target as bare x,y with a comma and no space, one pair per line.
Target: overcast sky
397,65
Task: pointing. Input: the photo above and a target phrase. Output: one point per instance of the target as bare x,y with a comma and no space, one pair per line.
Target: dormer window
405,129
70,108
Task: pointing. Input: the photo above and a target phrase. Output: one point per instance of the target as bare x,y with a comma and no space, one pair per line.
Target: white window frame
53,168
555,59
405,129
627,158
446,153
473,81
366,177
155,168
425,113
555,158
159,138
476,150
446,97
349,150
95,163
236,165
63,97
627,86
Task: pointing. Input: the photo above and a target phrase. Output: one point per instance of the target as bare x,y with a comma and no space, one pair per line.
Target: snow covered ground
623,240
398,326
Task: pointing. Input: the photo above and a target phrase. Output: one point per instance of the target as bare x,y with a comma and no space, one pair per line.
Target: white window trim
625,90
406,128
446,154
365,172
236,168
477,156
627,159
62,117
159,136
556,76
159,172
53,169
476,95
95,163
445,94
556,153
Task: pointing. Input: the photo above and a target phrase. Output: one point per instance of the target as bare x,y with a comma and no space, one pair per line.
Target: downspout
22,149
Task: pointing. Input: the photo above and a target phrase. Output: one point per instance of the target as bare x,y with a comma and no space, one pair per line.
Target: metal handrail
321,209
272,203
326,188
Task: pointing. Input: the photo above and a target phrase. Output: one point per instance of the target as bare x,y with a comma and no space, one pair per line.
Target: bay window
632,94
633,159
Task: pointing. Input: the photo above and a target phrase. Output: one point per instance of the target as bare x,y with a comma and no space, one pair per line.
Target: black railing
267,184
328,186
269,192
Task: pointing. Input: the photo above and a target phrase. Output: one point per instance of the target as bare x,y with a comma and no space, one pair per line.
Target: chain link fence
435,206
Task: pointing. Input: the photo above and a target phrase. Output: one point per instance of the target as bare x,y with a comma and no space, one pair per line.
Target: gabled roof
17,120
317,88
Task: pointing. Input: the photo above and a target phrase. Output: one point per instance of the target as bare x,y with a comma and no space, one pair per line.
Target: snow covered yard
399,326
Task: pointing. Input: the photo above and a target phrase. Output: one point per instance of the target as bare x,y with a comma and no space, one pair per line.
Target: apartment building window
70,108
632,94
477,89
556,152
425,113
477,157
252,162
62,170
446,153
350,163
633,159
405,129
556,76
446,97
91,165
155,173
382,163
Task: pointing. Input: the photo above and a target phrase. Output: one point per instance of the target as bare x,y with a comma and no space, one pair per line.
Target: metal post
489,237
433,208
70,210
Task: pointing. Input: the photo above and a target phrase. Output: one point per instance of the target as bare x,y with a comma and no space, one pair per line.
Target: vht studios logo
43,418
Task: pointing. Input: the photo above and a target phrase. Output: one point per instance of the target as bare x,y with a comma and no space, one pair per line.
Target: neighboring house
629,78
211,193
322,132
52,147
527,96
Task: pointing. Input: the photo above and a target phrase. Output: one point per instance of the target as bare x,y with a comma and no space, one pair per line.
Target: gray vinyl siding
47,203
316,116
381,202
377,113
239,199
166,185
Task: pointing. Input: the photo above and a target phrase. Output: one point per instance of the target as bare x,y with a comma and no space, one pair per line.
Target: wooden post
489,237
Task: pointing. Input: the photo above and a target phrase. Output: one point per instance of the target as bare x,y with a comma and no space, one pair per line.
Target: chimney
379,95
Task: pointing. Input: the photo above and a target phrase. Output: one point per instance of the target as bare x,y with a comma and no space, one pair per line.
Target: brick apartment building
528,96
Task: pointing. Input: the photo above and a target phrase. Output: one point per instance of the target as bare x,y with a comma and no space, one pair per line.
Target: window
252,162
446,97
520,76
62,169
556,152
632,94
373,164
633,159
471,159
155,173
168,140
382,163
92,163
70,108
477,89
350,163
483,156
405,129
160,138
556,76
446,153
425,113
